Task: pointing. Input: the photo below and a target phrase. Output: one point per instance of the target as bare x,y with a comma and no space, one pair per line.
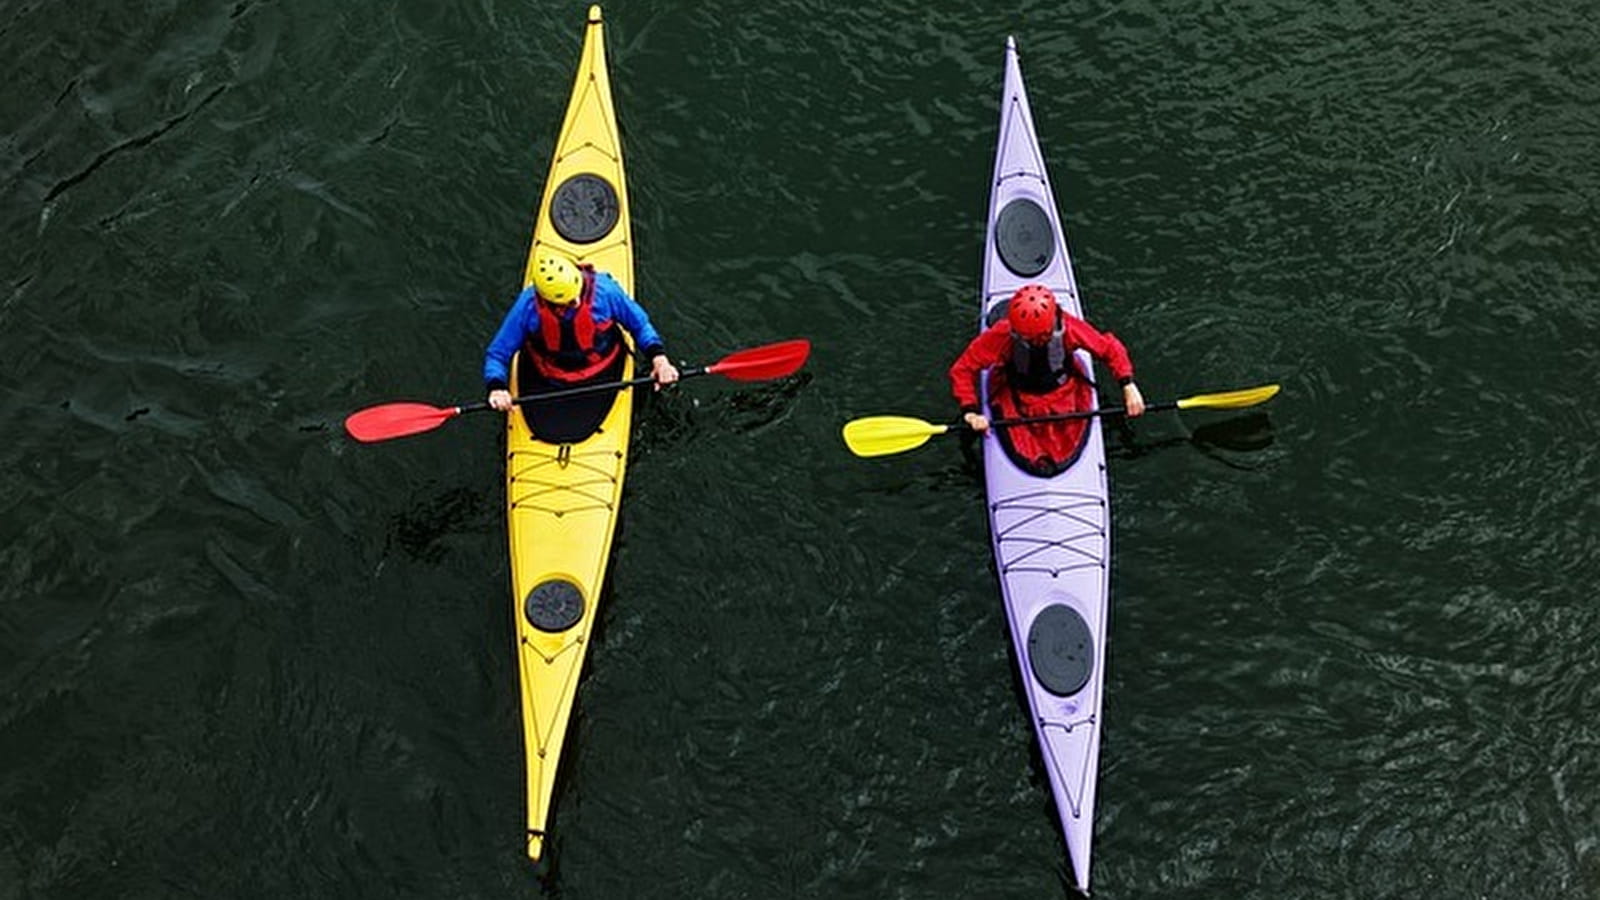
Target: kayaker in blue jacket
568,324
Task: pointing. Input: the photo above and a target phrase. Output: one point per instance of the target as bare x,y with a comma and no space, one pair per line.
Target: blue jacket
610,302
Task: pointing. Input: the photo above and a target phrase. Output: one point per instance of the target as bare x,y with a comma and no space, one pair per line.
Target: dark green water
1353,642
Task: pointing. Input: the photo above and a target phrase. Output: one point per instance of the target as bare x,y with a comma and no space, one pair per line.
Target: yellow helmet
556,278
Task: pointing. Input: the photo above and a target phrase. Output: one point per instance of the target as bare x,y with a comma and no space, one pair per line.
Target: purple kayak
1052,537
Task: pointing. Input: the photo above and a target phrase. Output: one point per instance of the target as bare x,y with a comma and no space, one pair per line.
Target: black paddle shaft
1081,414
585,390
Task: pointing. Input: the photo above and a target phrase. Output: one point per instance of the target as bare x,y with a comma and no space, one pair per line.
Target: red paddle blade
392,420
761,363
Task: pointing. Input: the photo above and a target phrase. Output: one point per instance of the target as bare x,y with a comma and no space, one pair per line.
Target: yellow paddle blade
883,435
1230,399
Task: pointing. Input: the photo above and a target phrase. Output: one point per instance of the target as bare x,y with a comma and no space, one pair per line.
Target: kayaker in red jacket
568,322
1030,356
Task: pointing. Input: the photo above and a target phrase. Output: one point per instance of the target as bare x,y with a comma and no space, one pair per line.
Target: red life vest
565,348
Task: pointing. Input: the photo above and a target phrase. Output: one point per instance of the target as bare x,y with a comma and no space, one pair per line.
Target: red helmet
1032,312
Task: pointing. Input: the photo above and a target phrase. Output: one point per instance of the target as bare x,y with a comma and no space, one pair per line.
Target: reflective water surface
1353,642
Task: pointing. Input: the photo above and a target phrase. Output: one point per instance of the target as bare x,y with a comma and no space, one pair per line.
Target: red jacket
993,348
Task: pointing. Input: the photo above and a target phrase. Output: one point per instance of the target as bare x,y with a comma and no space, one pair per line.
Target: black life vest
1041,368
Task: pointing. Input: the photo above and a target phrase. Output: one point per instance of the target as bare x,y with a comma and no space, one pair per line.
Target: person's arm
611,300
1107,348
506,342
986,350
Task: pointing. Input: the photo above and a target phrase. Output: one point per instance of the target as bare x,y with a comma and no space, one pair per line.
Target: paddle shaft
1081,414
583,391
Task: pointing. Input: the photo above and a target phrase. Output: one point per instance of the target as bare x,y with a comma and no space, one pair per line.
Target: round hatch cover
1061,650
554,605
1024,238
584,208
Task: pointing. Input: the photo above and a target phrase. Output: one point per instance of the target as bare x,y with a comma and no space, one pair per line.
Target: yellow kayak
563,487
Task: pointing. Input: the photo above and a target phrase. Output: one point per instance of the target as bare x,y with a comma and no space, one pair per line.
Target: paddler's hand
977,422
663,371
500,400
1133,400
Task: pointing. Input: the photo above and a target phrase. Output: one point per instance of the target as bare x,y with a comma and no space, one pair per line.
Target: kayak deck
1051,535
562,499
